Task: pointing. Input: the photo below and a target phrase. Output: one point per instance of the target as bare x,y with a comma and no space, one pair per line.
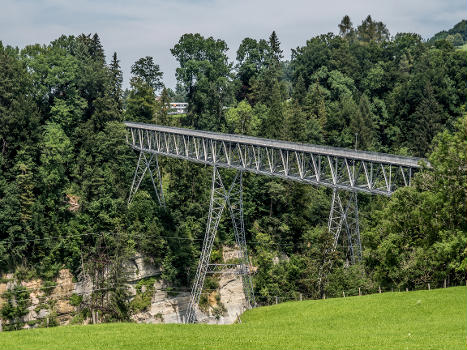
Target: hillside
66,171
457,34
433,319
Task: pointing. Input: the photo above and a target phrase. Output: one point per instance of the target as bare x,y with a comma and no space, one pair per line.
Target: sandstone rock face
172,309
229,253
64,307
140,267
164,308
45,300
233,297
65,285
3,289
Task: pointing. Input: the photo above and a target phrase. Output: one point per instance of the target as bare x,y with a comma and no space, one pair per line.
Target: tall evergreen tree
273,125
361,124
19,126
295,122
162,113
299,91
116,80
346,27
370,31
425,123
315,105
275,47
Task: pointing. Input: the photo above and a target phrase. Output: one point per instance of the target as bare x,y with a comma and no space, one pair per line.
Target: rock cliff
58,302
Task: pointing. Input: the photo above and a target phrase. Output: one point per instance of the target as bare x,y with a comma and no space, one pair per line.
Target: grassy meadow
435,319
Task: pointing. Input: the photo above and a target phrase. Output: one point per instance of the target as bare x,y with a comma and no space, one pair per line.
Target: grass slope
435,319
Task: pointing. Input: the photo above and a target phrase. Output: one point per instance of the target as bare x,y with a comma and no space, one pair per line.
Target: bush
16,306
143,297
76,300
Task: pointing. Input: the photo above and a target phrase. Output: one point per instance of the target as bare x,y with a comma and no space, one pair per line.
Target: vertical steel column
233,198
353,228
138,177
235,203
152,165
216,207
336,217
344,213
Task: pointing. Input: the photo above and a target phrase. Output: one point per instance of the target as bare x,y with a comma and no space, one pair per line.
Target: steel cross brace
344,214
220,197
150,164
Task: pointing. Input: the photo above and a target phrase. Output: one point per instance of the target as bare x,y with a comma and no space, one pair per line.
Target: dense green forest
65,170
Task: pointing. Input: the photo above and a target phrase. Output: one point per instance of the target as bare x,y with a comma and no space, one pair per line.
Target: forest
66,171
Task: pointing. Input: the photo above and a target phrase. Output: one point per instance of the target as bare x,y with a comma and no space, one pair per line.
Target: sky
139,28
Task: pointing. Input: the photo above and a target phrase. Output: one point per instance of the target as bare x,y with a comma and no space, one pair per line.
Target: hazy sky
141,28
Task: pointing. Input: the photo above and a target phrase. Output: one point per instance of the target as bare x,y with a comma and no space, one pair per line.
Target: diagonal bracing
147,163
235,204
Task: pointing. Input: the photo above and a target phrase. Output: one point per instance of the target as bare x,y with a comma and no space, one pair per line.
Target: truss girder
220,198
349,170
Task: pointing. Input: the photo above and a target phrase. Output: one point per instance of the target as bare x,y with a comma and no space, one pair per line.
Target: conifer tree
299,91
314,104
346,27
274,123
96,50
361,124
425,122
295,122
161,116
275,46
116,80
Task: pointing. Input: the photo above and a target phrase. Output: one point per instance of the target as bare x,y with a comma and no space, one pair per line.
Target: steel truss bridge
348,172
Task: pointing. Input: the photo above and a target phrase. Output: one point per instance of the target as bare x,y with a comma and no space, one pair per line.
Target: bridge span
340,168
348,172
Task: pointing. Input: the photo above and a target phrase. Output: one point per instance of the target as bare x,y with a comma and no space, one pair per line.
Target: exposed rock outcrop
52,300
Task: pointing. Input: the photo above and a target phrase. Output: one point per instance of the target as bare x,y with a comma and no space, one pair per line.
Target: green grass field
435,319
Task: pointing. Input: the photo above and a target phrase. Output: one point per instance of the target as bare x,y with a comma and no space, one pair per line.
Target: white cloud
139,28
